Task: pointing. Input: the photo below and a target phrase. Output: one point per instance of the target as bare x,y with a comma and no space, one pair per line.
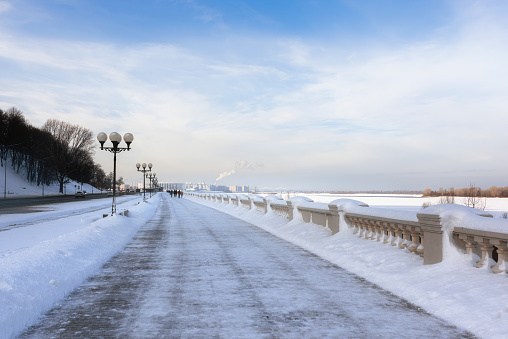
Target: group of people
175,193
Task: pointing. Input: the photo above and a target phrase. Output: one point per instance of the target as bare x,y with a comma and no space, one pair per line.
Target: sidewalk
195,272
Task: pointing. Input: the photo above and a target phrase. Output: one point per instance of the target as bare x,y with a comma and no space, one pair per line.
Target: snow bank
33,279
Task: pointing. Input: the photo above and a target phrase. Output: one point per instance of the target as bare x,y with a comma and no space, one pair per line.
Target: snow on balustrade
406,234
280,208
476,233
260,205
446,228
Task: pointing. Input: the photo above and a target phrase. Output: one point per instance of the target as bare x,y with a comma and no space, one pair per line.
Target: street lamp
156,185
115,140
144,170
151,177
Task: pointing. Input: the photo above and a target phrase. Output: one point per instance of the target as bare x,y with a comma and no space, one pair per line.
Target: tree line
471,196
57,152
492,192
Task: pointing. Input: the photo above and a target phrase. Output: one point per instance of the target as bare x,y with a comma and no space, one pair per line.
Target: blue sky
339,95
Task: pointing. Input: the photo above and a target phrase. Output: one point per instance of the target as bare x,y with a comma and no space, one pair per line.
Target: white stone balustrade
246,203
280,208
260,206
486,245
421,236
405,234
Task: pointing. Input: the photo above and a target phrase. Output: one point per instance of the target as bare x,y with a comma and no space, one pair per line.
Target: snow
17,187
46,255
42,261
471,298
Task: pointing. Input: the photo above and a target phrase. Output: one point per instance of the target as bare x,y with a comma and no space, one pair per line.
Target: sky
301,94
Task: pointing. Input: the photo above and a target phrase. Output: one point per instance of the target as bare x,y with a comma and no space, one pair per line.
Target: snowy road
192,271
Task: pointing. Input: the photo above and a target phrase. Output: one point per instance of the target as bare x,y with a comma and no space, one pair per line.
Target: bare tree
447,196
473,197
71,148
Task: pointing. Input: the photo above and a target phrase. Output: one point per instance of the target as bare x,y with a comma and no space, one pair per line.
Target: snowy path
192,271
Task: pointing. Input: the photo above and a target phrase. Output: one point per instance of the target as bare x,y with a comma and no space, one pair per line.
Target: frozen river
196,272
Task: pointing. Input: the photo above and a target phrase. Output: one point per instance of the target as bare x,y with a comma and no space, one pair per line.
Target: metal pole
113,206
144,190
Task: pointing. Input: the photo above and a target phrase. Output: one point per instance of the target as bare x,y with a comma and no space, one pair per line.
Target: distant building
239,189
172,186
221,188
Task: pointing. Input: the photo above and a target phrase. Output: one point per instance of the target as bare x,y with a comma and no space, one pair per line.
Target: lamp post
144,170
155,185
115,140
151,177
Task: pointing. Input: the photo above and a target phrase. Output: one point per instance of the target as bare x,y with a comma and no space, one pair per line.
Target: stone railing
281,209
486,245
260,205
418,233
246,203
321,214
404,234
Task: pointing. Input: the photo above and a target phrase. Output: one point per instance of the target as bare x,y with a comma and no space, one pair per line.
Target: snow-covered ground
15,186
45,255
471,298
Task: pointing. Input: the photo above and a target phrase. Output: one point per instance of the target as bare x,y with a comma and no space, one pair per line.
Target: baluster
470,244
388,237
414,240
396,232
356,224
405,237
361,228
502,257
370,235
379,231
365,229
421,249
486,252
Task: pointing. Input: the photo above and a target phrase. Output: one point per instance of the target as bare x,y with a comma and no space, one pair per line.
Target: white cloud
295,106
4,6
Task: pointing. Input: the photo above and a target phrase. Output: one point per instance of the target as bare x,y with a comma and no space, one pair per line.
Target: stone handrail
405,234
246,203
280,208
261,206
326,217
420,233
486,245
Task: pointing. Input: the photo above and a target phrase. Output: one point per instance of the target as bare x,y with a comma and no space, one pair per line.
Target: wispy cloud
4,6
296,105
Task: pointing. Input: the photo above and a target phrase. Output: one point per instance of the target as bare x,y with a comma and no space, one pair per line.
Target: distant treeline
56,152
492,192
377,192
